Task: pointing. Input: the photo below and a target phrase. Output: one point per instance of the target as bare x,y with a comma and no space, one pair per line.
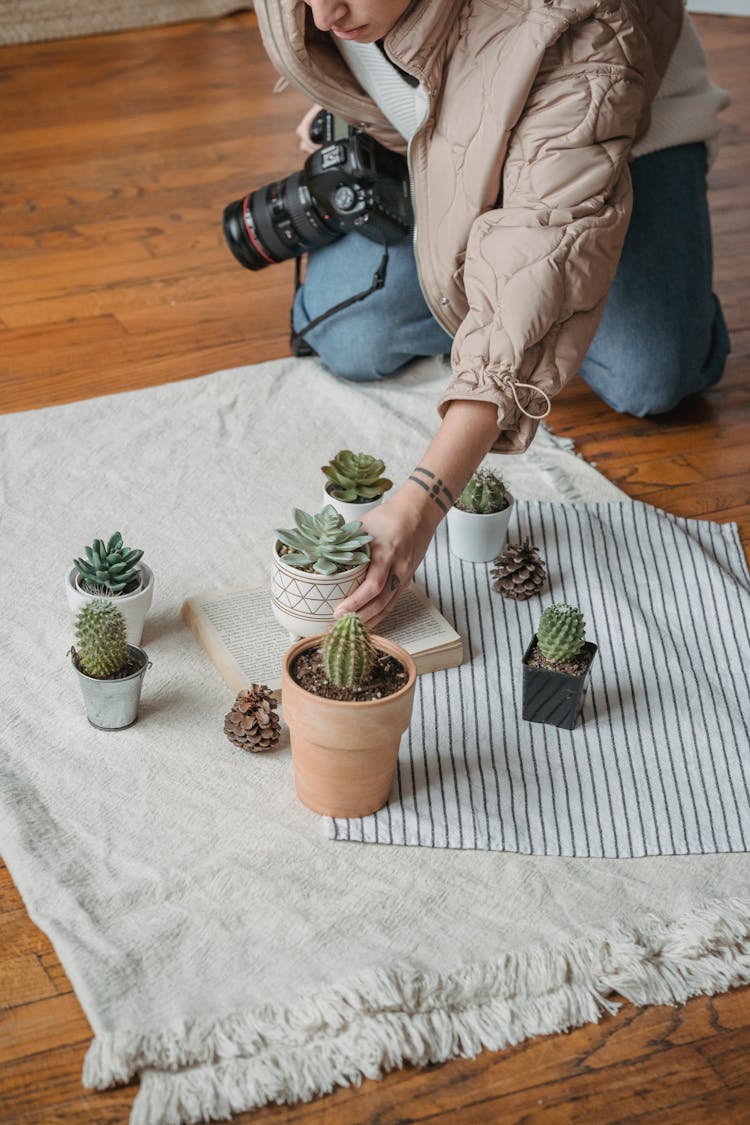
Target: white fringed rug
222,948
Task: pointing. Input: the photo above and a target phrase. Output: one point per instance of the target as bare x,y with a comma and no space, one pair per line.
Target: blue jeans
662,335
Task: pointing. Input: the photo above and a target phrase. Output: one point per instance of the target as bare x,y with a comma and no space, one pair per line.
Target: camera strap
378,281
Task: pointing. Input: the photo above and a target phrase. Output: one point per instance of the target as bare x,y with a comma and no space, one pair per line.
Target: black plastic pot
551,697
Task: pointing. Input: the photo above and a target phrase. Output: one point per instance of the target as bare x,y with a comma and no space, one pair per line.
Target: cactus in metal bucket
484,494
109,568
356,477
324,543
102,642
347,652
561,632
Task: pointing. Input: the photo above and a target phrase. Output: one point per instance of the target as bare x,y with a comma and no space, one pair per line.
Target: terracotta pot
345,754
304,603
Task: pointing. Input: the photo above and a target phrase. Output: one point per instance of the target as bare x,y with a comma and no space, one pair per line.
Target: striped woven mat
659,763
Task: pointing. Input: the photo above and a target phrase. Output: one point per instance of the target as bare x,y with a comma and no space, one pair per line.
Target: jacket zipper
435,313
433,310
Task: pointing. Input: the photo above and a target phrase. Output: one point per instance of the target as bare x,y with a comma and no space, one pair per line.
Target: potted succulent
478,521
347,699
112,570
109,669
316,564
556,666
355,483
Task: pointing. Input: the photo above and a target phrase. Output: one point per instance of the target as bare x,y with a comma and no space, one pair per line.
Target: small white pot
303,603
478,538
350,511
133,607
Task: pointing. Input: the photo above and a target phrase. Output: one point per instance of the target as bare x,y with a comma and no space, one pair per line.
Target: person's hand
402,528
303,130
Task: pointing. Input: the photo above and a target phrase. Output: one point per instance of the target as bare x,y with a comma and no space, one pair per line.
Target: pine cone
519,571
253,724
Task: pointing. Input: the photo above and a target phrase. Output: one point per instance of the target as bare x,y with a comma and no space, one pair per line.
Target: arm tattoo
434,485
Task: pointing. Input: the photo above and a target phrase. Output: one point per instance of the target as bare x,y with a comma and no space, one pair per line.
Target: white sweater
685,108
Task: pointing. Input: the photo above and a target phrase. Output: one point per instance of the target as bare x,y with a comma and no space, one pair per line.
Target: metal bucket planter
113,704
553,697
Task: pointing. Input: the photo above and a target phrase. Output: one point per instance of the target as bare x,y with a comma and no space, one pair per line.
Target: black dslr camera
353,183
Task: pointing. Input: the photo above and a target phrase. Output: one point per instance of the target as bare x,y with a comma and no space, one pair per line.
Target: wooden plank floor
119,153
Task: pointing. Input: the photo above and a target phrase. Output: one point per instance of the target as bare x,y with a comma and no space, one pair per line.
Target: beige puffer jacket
519,172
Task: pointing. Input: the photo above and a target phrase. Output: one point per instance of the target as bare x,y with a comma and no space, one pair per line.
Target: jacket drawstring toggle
509,383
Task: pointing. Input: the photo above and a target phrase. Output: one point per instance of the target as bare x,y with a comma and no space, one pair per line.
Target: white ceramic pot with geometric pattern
303,602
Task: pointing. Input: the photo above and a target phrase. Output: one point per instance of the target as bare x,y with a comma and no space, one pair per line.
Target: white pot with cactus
112,570
355,483
316,564
478,521
110,671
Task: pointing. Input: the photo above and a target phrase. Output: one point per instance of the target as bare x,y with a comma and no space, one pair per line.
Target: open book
246,643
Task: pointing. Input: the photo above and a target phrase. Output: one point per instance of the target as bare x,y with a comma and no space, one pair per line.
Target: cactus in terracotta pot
347,652
323,543
356,477
345,724
102,643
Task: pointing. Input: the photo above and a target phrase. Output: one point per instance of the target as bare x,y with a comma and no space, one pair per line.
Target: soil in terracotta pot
388,676
576,666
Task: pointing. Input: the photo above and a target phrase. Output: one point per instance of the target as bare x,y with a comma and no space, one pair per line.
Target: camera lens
279,221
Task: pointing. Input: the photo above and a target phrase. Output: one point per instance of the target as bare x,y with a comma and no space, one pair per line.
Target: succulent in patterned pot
556,667
110,670
347,698
478,521
355,483
112,570
316,564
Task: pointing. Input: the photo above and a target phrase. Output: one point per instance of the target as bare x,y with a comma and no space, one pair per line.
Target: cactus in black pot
556,666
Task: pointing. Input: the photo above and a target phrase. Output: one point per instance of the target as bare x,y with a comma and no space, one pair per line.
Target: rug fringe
203,1071
559,475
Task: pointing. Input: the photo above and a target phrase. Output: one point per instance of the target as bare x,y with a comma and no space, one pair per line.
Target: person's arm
403,525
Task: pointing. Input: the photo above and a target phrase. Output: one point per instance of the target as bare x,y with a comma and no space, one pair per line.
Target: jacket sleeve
538,267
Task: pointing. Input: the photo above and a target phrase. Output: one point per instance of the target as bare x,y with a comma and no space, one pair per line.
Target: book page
416,624
244,622
240,633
